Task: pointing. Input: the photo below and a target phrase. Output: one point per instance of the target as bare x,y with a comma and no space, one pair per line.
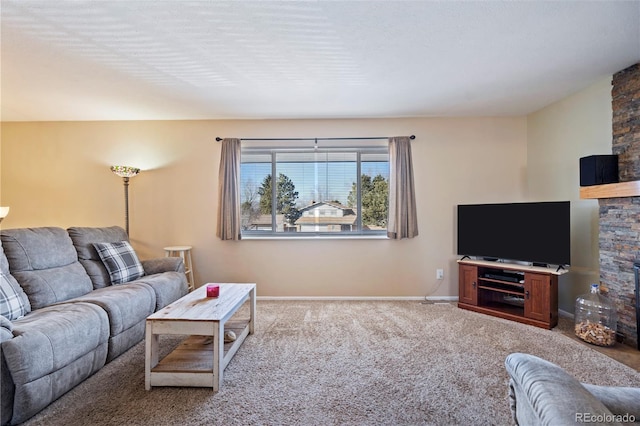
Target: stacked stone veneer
620,217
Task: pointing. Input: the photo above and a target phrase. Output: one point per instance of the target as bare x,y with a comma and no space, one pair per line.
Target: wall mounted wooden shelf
611,190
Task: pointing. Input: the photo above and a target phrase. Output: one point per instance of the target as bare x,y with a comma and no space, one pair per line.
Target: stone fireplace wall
620,217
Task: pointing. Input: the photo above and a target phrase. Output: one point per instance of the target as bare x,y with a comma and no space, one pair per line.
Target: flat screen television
538,232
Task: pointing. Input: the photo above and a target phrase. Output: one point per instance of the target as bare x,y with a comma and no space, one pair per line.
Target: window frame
273,151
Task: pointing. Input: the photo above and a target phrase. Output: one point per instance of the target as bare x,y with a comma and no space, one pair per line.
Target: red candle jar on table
213,290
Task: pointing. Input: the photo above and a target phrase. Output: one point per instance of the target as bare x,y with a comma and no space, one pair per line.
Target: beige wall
557,137
57,174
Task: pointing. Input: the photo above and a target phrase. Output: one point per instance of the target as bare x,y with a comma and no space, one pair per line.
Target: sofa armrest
543,393
619,400
162,264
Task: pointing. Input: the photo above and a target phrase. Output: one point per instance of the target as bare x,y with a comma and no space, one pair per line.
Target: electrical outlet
439,274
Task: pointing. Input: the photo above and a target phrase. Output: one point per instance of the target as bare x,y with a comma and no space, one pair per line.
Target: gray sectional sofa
542,393
63,318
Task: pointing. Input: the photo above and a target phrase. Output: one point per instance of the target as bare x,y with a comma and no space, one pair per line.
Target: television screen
532,232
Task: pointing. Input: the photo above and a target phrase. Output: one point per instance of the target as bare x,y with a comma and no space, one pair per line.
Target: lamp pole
126,203
125,172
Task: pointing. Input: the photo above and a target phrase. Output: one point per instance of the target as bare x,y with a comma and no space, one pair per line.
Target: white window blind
339,188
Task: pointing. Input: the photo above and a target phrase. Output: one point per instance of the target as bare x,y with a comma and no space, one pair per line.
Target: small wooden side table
183,252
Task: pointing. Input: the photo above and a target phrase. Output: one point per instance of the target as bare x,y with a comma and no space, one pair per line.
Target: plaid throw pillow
120,260
11,303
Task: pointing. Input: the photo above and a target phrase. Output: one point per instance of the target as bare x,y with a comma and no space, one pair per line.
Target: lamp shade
125,171
4,211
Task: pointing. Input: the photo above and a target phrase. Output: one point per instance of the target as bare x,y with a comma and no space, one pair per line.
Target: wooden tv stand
492,288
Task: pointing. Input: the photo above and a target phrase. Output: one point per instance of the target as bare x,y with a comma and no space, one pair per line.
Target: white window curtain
229,191
403,221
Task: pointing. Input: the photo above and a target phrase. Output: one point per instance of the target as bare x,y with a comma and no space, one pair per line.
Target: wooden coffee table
200,360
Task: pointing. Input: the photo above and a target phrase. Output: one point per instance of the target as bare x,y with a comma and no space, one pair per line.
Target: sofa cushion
83,239
121,261
127,306
53,349
52,337
45,264
169,286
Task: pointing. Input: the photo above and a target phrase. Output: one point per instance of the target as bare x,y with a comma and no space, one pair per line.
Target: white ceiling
157,60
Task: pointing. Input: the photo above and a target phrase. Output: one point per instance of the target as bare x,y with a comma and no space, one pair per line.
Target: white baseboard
363,298
447,299
565,314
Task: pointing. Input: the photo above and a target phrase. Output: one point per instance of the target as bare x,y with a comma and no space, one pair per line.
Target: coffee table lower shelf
191,362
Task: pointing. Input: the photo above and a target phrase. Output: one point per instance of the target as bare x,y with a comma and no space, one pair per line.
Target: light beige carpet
342,363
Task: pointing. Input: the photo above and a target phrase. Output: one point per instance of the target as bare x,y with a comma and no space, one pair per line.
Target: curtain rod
218,139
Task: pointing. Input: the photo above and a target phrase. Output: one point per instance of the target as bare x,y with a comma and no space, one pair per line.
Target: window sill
316,237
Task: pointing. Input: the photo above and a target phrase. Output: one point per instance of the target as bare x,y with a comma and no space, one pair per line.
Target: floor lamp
125,172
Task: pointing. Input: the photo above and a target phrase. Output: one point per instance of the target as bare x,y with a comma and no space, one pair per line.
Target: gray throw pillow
121,261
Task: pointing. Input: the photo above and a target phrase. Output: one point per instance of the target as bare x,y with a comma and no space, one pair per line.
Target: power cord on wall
426,300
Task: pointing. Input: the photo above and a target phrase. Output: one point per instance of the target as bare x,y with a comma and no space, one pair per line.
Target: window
337,189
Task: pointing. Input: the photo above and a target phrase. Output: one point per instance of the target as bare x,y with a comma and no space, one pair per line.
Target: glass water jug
595,318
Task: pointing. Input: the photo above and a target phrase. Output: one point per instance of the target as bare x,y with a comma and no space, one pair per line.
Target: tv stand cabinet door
538,297
468,284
